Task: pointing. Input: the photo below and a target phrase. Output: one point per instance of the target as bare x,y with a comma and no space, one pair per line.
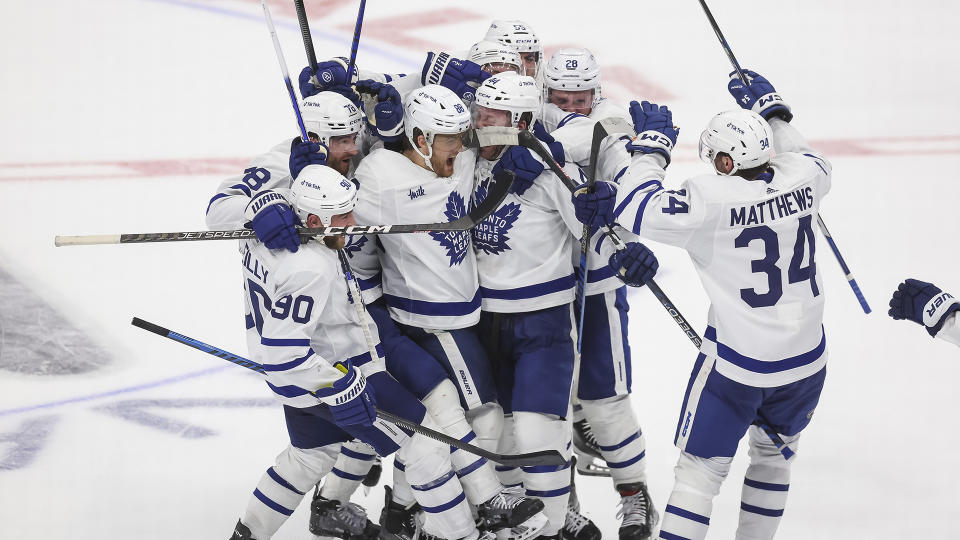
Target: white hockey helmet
328,114
487,52
743,135
518,35
323,191
434,110
572,70
517,94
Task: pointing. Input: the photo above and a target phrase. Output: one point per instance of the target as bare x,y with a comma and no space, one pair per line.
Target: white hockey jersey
524,247
429,279
575,132
753,245
272,171
300,320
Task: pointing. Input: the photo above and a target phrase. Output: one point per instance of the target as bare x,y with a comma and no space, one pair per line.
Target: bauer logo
686,424
465,382
936,302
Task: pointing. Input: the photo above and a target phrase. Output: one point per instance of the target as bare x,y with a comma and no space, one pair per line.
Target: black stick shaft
307,36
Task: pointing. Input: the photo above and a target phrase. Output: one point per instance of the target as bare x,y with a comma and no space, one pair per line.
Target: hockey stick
307,38
598,134
823,226
544,457
498,192
528,140
355,46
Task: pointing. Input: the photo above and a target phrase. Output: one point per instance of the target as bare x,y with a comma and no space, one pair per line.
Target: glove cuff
434,67
937,309
769,105
356,385
262,200
651,141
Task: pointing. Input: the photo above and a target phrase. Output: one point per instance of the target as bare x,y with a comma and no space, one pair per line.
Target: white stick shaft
86,240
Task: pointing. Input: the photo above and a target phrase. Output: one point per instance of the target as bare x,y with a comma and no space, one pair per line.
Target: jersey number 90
796,273
298,308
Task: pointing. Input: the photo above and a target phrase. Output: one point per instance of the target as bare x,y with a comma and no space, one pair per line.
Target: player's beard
335,242
341,165
443,167
491,153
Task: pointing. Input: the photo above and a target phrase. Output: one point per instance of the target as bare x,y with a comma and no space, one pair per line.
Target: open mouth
450,161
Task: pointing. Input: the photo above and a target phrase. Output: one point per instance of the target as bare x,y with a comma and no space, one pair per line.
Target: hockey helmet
743,135
323,191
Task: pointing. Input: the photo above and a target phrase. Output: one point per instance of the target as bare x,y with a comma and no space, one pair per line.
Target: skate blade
591,467
527,529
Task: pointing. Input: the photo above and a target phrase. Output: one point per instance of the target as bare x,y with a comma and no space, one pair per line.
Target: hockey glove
526,168
460,76
635,265
306,153
388,111
556,149
595,209
350,402
273,220
330,73
923,303
758,96
655,130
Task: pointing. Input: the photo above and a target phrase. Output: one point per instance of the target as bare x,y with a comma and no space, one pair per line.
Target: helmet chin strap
426,158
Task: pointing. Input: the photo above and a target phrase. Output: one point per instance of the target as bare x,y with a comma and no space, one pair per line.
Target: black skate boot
508,509
577,526
348,521
373,475
636,509
241,532
587,449
400,523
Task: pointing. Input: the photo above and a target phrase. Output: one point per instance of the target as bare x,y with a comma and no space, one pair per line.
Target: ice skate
349,521
636,509
589,460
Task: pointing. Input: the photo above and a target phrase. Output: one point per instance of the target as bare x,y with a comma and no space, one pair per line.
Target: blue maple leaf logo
354,245
455,242
490,235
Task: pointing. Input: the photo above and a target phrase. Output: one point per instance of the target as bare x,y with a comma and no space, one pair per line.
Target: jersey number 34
796,273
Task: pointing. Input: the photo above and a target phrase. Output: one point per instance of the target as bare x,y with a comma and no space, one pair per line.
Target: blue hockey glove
388,111
350,402
306,153
923,303
330,73
635,265
460,76
556,149
655,130
595,209
759,96
526,168
273,220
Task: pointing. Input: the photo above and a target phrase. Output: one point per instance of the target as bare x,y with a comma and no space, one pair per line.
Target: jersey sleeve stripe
289,365
643,207
214,198
288,391
568,118
600,274
373,282
272,342
629,197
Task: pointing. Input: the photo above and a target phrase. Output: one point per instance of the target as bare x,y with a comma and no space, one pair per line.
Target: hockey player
430,288
521,37
605,423
749,230
527,284
309,340
925,304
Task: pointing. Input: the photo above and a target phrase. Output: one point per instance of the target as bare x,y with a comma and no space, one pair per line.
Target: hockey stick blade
498,192
544,457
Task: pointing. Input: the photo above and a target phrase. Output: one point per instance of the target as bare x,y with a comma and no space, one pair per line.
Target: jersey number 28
768,265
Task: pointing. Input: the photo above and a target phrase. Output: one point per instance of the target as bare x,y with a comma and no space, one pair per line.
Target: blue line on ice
290,26
135,388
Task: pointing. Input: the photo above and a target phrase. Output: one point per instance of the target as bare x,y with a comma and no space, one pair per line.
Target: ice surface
123,116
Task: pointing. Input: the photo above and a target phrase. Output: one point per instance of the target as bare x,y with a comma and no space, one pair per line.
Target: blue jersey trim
643,208
628,198
531,291
367,284
627,463
362,359
444,507
549,492
289,365
280,480
248,321
434,309
348,476
765,485
271,504
600,274
568,118
272,342
472,467
762,366
466,438
761,511
620,444
288,391
356,455
215,197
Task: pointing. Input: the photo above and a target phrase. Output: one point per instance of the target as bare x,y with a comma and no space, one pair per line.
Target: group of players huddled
474,333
